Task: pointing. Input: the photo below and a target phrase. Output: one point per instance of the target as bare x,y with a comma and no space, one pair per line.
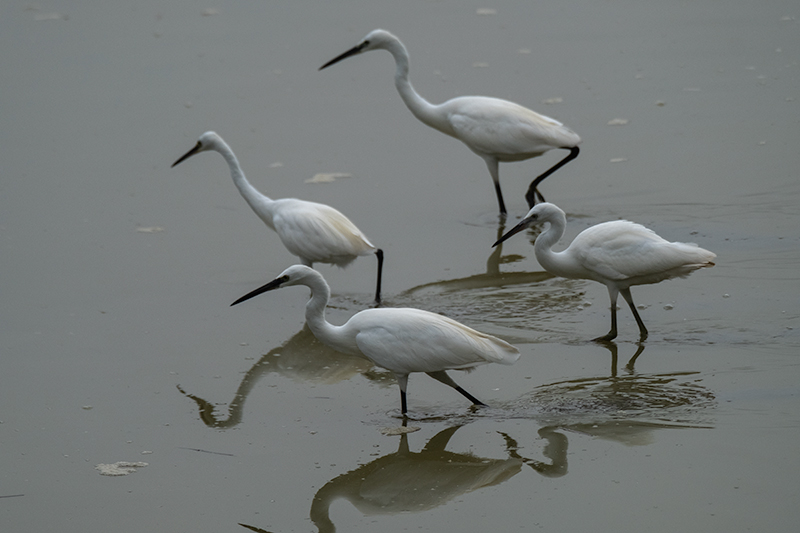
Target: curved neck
323,330
260,203
421,108
543,248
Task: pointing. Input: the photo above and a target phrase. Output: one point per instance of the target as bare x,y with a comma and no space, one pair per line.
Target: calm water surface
119,343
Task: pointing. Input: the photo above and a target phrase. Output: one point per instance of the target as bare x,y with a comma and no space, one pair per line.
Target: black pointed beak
513,231
188,154
353,51
274,284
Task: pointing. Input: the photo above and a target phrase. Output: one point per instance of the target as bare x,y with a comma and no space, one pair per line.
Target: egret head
207,141
294,275
539,214
375,40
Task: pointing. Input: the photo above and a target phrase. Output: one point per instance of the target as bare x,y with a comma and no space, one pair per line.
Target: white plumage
316,233
495,129
618,254
401,340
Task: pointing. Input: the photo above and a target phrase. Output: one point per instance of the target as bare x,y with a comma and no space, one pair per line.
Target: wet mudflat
120,348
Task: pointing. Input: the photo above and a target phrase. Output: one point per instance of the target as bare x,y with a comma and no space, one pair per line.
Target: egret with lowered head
497,130
316,233
618,254
401,340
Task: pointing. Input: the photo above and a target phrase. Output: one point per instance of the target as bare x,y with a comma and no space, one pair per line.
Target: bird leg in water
612,334
442,376
626,293
533,191
402,382
379,254
500,201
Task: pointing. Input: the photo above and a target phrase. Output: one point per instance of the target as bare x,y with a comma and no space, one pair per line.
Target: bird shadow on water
412,482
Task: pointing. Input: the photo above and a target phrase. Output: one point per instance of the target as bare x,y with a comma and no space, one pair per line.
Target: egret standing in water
401,340
497,130
316,233
618,254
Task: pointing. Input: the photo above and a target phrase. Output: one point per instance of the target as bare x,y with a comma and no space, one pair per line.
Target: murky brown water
119,343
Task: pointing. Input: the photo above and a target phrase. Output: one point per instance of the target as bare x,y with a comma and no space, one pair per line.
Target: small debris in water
120,468
617,121
400,430
660,103
726,295
486,11
669,307
149,229
554,100
328,177
87,407
618,160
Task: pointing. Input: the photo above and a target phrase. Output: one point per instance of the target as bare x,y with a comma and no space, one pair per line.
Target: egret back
319,233
406,340
631,254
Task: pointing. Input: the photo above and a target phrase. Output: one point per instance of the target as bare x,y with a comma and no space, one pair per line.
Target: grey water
119,344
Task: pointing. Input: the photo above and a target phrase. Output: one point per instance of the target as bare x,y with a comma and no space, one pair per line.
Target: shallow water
119,344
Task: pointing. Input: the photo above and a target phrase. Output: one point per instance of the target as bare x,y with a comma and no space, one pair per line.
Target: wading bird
316,233
401,340
618,254
497,130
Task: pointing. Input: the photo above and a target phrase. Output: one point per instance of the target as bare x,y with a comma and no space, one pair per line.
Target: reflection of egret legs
612,347
493,263
555,450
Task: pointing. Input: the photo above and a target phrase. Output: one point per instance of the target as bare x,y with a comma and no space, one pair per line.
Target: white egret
497,130
618,254
401,340
316,233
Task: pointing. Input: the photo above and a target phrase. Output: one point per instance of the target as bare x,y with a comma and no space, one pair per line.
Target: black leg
612,334
530,196
379,254
626,293
442,376
500,201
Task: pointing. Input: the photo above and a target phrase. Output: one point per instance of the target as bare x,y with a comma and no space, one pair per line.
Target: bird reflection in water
303,358
405,481
516,301
555,450
624,408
